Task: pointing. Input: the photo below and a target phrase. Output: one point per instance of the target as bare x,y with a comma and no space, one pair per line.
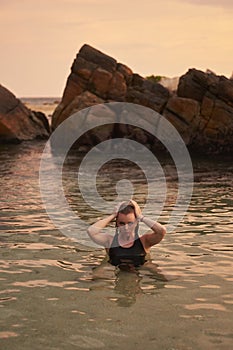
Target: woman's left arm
157,234
158,231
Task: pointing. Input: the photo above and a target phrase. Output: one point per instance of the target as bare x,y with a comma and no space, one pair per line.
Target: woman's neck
126,240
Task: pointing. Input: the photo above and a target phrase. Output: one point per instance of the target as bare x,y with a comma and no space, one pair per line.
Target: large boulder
100,78
183,114
212,127
17,122
201,109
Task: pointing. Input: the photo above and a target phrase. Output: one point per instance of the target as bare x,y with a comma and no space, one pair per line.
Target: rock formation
213,124
97,78
201,109
17,122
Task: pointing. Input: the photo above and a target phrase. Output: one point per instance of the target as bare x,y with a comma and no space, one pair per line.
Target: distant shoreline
45,105
39,98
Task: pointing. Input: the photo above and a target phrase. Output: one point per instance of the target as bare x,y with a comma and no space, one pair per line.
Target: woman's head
126,219
126,208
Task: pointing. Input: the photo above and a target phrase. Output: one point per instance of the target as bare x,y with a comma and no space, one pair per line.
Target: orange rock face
201,109
100,75
17,122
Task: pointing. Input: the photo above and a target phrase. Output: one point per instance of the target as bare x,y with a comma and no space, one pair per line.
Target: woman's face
126,223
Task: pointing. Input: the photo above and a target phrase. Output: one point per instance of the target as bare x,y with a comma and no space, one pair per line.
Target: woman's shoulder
144,243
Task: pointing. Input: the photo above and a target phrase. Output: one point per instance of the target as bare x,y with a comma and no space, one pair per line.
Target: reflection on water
127,282
181,299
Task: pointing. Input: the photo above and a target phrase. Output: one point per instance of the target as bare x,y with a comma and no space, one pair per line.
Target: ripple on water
7,334
46,276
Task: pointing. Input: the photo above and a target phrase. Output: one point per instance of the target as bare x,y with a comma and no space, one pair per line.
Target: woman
126,247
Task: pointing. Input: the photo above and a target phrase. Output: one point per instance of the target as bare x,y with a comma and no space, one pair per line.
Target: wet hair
126,208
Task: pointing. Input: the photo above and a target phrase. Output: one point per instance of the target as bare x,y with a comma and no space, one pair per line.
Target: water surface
60,294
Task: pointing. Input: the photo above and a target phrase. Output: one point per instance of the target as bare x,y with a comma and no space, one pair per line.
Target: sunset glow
39,40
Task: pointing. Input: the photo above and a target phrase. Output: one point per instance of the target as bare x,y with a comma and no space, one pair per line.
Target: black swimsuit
134,255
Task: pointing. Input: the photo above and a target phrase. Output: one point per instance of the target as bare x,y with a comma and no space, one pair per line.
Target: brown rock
117,87
225,90
80,64
185,109
195,83
101,75
201,111
99,82
17,122
221,121
98,134
183,114
146,93
207,107
126,71
84,100
98,58
215,120
148,99
75,86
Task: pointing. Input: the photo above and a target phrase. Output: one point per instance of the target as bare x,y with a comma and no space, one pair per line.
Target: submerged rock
17,122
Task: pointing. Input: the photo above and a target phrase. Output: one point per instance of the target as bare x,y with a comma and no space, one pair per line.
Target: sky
40,39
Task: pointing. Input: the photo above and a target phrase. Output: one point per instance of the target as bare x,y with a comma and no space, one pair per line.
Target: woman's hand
137,209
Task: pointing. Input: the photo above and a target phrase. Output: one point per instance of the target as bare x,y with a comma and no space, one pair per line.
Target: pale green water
57,294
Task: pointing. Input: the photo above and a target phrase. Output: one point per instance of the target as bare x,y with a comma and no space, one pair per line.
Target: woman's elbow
163,231
90,231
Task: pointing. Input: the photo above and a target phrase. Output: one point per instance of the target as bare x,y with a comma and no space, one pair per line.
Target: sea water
59,294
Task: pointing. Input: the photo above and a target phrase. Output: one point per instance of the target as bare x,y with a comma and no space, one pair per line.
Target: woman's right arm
95,231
